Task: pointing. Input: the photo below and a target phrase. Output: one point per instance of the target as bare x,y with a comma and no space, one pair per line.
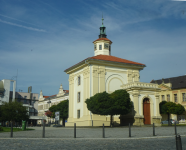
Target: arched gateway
146,111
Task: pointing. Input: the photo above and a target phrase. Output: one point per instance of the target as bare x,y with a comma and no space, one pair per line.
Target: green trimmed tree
179,109
14,111
63,109
171,108
53,109
116,103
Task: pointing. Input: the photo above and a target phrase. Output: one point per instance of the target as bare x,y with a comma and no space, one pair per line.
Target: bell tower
102,46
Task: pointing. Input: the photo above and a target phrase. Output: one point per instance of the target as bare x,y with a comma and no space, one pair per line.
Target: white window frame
79,97
184,97
168,97
79,80
78,113
175,98
100,47
163,97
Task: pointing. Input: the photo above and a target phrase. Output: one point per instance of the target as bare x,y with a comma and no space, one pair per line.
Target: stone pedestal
138,121
156,120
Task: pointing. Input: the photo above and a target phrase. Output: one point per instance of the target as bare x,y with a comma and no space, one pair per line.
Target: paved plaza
91,138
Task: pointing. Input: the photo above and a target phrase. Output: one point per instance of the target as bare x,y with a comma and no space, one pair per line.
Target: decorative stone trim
140,85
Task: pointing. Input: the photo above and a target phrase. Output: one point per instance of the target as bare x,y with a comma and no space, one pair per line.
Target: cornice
90,61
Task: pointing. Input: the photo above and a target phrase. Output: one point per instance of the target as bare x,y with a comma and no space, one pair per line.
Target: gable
164,87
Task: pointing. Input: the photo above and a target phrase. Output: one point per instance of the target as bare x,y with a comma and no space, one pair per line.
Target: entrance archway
146,111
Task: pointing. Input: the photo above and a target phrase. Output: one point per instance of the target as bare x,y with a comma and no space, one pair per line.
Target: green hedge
1,129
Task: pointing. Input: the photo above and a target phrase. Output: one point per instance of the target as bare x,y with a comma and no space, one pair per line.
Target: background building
29,100
173,90
45,102
5,86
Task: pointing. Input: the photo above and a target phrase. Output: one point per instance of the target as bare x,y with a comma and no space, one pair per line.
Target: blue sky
42,38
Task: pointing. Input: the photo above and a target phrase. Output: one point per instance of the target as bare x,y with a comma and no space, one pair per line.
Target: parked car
171,120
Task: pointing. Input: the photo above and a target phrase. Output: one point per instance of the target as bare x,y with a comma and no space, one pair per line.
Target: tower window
106,46
95,48
100,47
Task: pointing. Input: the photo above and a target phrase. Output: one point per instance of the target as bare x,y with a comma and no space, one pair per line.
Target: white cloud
21,26
17,20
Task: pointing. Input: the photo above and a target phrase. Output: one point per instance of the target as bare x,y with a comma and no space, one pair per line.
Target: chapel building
104,72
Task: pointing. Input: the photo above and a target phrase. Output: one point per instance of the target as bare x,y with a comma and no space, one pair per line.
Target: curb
91,138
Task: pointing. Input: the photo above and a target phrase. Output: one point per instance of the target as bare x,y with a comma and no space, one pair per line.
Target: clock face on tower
106,46
95,47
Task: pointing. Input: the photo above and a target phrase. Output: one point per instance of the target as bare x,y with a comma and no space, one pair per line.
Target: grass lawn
8,129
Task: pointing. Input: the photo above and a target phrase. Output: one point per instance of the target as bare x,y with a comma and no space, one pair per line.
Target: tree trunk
11,133
169,123
64,122
111,120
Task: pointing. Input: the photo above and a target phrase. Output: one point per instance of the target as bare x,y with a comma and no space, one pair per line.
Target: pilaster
71,95
135,95
138,119
136,75
86,87
157,96
129,75
101,79
95,80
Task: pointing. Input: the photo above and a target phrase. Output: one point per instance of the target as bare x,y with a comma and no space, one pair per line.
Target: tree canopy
171,108
53,109
116,103
13,111
62,107
48,113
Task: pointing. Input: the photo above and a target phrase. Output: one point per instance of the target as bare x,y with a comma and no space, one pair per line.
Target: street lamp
49,107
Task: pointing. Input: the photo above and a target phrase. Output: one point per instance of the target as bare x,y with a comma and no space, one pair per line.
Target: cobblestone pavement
94,144
117,132
91,138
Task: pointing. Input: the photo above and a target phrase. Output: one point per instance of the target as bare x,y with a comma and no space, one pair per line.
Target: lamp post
49,107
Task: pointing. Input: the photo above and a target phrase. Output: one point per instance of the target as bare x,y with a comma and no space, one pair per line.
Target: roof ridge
170,78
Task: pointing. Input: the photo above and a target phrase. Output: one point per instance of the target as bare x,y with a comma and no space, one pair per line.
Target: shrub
1,129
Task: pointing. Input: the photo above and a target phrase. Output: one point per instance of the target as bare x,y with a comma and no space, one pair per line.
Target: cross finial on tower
102,20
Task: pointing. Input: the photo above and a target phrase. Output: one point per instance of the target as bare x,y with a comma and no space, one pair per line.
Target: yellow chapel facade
104,72
173,90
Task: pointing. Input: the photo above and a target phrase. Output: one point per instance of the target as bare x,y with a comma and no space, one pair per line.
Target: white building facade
45,102
104,72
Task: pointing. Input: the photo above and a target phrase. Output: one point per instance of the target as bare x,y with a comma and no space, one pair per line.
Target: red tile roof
103,39
66,91
115,59
49,96
107,58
